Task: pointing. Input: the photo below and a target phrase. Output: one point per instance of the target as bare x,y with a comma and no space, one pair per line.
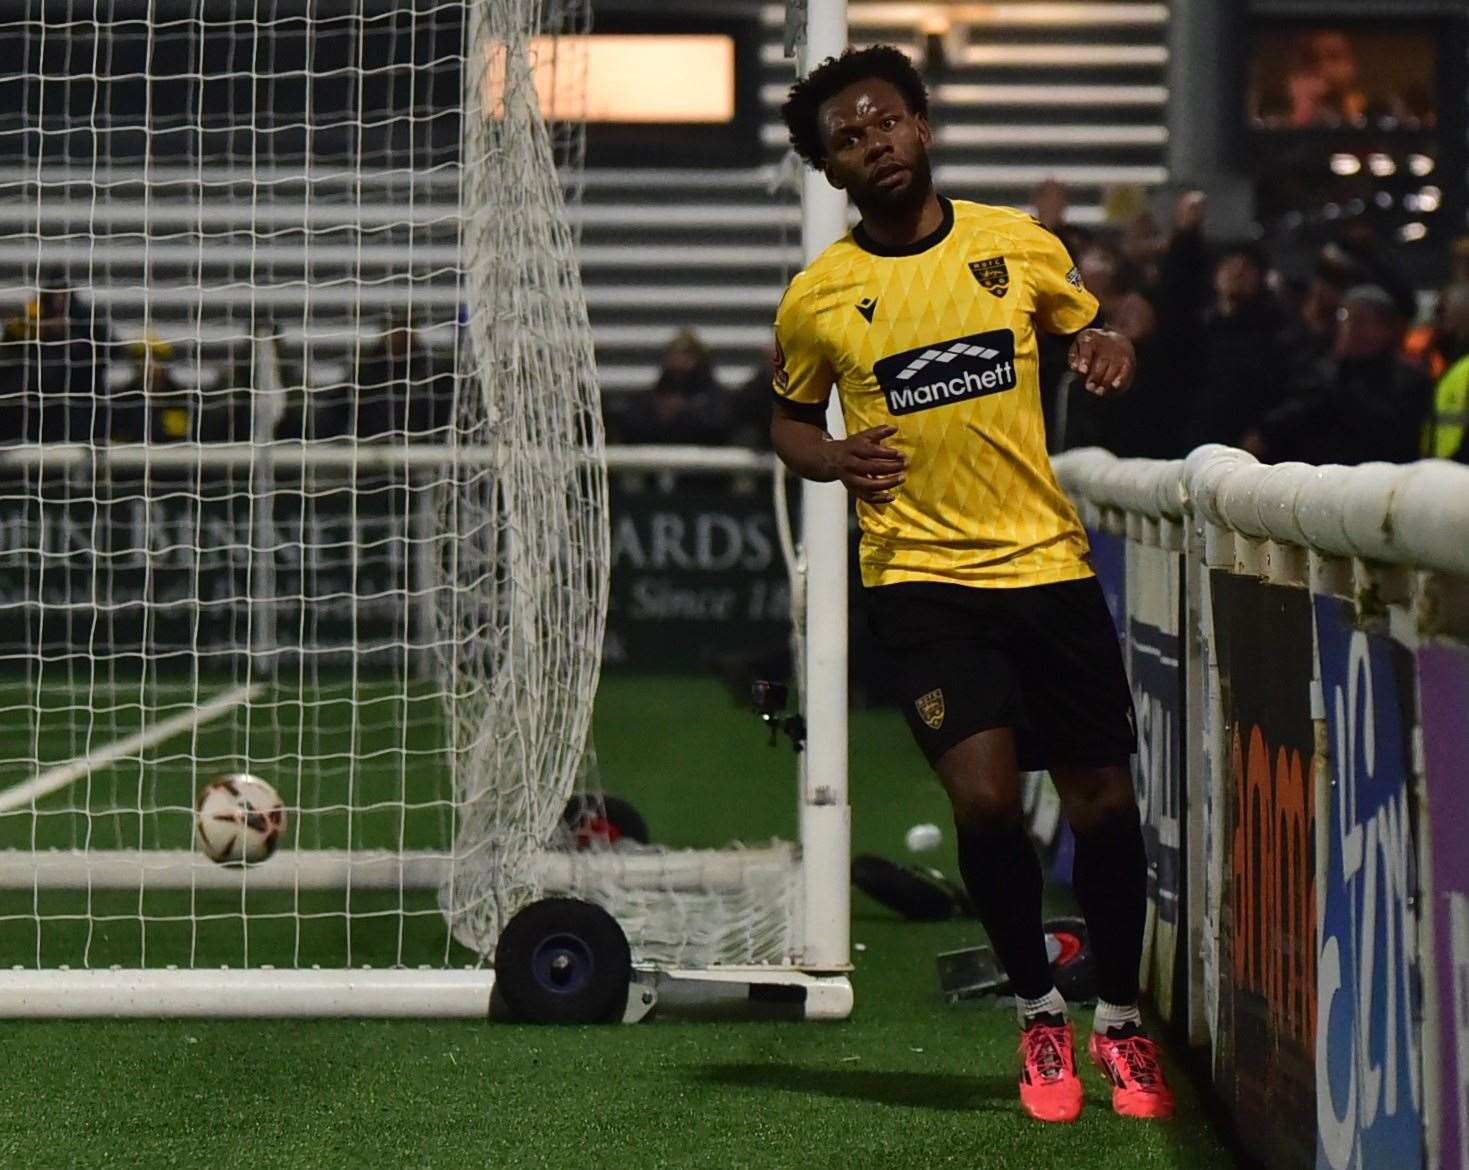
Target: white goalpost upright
399,628
825,813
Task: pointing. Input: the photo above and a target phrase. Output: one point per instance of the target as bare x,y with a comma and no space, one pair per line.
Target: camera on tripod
769,701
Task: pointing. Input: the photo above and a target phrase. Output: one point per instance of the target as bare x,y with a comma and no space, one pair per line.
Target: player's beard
906,199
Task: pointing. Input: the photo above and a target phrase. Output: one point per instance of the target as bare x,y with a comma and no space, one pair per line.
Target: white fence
1298,642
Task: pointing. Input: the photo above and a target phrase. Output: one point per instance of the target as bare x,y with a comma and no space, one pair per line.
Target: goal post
743,911
340,520
825,812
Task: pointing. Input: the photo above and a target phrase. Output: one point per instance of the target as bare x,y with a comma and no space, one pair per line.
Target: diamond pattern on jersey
980,505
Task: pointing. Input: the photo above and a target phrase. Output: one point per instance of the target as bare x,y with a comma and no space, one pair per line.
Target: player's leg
1078,704
1005,884
1110,878
997,861
960,698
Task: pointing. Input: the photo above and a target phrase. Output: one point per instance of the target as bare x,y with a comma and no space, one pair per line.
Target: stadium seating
1027,92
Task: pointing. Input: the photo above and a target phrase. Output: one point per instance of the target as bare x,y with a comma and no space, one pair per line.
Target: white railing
1415,513
1298,641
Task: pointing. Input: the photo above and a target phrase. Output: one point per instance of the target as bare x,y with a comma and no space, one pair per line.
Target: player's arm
1104,357
869,470
803,381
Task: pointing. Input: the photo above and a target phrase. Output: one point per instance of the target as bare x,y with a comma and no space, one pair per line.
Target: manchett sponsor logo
949,371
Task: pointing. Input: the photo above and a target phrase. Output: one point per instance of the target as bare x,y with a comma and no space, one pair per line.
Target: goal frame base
368,993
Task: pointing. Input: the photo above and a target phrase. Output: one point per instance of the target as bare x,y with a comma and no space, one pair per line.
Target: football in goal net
303,488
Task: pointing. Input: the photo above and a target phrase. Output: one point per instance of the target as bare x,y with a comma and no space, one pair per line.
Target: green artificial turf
907,1082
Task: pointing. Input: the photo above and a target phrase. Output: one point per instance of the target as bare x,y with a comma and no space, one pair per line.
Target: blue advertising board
1155,670
1368,1091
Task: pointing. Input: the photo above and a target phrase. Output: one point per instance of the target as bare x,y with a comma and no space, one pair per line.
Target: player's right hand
871,471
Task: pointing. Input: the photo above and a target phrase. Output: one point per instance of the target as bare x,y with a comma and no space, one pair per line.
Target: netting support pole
422,549
825,817
267,407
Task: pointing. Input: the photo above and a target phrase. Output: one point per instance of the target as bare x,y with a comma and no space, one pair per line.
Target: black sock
1004,880
1110,877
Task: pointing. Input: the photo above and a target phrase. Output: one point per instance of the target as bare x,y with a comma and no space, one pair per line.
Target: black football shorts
1043,660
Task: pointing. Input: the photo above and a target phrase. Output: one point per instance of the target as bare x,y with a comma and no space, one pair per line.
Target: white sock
1050,1004
1113,1015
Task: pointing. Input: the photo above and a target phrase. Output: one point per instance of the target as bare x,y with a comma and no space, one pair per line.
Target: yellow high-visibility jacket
1443,434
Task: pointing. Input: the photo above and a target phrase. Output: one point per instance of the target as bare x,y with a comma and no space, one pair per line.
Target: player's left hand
1105,359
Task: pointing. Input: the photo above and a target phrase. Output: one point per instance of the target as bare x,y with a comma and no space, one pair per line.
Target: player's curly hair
883,62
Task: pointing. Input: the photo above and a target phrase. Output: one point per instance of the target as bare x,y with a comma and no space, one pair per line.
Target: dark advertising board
696,573
1265,1062
176,567
1443,704
1368,1091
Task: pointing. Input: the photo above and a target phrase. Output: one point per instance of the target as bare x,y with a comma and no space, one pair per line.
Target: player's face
876,148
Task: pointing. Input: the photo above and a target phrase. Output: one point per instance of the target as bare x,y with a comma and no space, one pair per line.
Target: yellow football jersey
939,340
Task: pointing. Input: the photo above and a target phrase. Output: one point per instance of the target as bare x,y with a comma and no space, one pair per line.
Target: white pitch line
49,781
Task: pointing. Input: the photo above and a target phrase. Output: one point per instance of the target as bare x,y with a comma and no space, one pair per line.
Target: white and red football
239,819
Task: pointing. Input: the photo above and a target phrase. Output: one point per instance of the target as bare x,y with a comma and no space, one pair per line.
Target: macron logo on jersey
948,371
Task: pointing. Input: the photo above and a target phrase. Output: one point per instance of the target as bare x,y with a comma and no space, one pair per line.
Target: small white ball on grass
922,838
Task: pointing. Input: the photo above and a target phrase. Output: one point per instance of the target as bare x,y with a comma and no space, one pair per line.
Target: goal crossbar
347,457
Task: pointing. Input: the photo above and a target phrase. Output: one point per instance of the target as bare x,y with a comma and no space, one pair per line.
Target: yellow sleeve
1062,303
803,375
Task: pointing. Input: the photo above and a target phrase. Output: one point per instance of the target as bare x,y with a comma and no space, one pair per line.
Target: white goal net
302,476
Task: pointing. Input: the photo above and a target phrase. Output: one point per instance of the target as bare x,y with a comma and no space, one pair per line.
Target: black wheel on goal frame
563,961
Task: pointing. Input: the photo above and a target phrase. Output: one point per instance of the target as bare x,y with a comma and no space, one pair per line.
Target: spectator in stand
53,370
685,405
750,409
1429,343
1181,298
1145,421
1051,203
1244,365
1143,244
155,407
1370,259
400,391
1184,268
1366,404
1459,261
1446,434
1311,333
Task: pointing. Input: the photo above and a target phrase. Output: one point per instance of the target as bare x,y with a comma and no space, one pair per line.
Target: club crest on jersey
992,275
948,371
931,708
782,377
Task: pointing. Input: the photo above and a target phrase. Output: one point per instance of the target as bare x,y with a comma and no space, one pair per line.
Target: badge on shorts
931,708
992,275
